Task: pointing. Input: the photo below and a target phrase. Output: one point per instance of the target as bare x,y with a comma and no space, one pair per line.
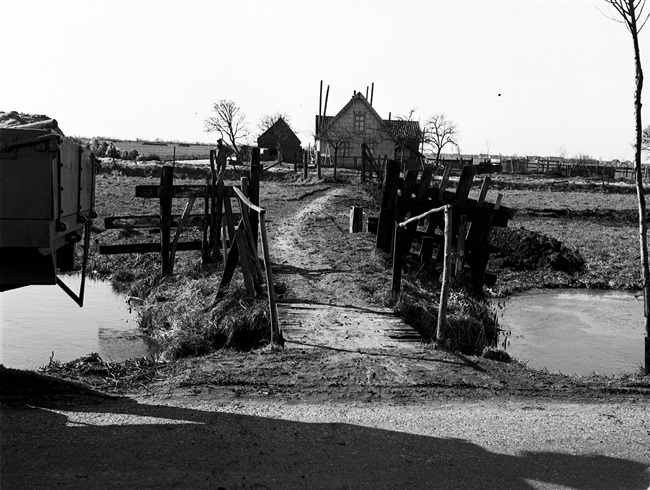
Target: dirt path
312,250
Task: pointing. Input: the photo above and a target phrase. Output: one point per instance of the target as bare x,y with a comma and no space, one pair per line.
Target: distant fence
571,169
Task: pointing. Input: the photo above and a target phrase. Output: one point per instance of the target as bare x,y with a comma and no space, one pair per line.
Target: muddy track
326,309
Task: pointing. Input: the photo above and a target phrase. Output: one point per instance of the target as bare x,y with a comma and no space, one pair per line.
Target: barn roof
281,131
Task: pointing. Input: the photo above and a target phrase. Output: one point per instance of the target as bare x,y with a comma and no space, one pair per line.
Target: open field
164,150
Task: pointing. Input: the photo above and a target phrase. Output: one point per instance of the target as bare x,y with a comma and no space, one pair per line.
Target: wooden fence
469,227
237,243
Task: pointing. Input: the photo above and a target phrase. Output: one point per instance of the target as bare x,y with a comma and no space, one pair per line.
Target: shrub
153,156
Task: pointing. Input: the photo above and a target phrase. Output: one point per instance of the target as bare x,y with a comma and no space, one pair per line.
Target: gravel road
206,443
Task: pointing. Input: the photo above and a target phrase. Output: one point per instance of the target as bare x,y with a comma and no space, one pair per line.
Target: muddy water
576,332
39,320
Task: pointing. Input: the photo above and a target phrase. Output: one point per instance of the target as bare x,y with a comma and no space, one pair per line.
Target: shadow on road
72,437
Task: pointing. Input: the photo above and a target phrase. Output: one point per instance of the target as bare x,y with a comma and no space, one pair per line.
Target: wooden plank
464,185
460,246
254,193
178,191
426,251
484,189
122,222
425,183
356,219
166,183
139,248
256,268
410,184
179,229
230,222
388,203
397,263
444,182
246,262
275,326
205,251
229,269
214,191
444,290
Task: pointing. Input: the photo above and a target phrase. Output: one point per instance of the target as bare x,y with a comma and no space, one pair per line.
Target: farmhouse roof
406,132
358,96
279,132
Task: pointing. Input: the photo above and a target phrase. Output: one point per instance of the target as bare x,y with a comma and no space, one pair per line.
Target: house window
359,123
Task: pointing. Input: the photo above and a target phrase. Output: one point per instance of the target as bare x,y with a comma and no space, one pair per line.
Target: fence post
305,166
356,219
318,165
275,326
397,263
364,162
166,193
444,290
388,203
254,192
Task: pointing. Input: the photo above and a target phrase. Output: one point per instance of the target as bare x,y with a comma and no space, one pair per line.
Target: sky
517,77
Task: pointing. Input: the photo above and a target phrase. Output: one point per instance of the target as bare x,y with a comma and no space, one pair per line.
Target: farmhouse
358,122
280,142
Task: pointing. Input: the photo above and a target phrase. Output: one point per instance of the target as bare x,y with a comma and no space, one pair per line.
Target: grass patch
183,315
471,323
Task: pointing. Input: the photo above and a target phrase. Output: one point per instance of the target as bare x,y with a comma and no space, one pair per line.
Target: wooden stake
245,260
443,183
254,193
305,165
388,203
166,189
275,327
444,290
356,219
460,246
397,263
319,165
179,229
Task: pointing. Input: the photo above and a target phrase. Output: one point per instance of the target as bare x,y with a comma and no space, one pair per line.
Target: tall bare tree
338,138
632,16
440,132
230,122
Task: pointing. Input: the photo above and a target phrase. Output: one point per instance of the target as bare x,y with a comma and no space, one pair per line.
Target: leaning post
446,274
254,192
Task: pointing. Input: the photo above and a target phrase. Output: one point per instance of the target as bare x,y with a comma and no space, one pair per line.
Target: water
37,320
576,332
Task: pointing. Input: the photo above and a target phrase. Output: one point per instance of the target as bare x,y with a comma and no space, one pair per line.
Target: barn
279,142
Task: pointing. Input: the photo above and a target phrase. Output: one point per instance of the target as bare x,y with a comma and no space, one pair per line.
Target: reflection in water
576,332
39,320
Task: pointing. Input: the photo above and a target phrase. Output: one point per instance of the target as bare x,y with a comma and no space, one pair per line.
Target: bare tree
230,122
440,132
338,138
631,13
645,139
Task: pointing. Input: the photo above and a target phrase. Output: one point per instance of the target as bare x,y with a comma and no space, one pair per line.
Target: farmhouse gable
358,122
280,141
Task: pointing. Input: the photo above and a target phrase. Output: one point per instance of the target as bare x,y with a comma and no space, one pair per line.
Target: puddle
576,331
39,320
